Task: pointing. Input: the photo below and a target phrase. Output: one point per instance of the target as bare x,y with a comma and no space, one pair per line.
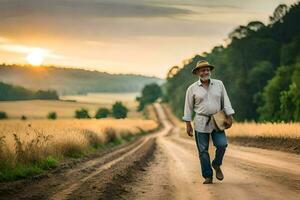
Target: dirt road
165,166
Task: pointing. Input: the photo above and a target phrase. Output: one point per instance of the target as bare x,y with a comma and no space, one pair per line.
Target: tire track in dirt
250,173
66,180
165,166
62,194
70,182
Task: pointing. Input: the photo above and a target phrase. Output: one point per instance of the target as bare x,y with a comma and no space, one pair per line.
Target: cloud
96,19
122,33
23,49
16,48
4,39
86,9
232,4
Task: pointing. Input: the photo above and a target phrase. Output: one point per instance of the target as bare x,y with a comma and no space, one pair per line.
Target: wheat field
252,129
33,140
25,145
248,129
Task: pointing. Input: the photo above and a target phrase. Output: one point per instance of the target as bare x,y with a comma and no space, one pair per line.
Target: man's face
204,73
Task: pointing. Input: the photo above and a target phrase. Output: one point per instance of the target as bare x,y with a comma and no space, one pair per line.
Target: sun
35,57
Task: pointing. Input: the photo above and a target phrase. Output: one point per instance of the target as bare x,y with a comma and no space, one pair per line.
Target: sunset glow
35,57
121,36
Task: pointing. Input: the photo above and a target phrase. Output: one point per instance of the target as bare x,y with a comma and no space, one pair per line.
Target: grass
26,169
22,170
252,129
30,147
277,136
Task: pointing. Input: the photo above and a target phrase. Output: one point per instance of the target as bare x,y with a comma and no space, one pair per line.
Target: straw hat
201,64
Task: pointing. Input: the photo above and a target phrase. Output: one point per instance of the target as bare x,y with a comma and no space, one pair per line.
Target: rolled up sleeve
188,105
227,105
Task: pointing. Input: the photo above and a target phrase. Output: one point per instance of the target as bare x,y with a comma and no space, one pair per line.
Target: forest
259,66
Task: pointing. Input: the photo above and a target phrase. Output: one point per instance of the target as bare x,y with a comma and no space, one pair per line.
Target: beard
205,78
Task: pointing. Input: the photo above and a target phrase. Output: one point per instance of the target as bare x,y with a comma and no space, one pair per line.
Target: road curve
250,173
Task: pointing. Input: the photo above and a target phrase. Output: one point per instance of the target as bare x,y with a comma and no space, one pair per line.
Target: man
206,97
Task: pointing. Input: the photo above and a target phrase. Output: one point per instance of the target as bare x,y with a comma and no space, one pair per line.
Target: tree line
10,92
70,81
259,66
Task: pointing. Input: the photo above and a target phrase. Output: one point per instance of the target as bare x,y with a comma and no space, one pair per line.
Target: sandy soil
164,165
250,173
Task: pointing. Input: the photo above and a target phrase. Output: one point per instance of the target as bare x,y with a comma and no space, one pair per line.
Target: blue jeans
220,142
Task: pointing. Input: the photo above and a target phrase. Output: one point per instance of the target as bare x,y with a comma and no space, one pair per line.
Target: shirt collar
201,84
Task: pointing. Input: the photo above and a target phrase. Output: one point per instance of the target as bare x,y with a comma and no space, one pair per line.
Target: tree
239,33
12,92
150,94
3,115
255,25
270,109
296,91
279,13
258,78
49,94
290,99
287,107
52,115
173,71
244,31
82,113
102,113
119,110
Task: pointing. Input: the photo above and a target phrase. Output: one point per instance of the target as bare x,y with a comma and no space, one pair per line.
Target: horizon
121,37
73,68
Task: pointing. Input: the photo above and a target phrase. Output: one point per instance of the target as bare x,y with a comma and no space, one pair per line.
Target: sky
145,37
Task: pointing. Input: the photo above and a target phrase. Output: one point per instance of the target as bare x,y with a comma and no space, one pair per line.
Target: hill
72,81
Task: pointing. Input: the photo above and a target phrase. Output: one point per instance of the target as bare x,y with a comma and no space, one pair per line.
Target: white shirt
205,101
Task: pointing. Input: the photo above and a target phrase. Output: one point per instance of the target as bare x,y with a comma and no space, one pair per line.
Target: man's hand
228,122
189,129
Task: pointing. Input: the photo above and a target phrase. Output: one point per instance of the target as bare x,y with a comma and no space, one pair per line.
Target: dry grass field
69,131
277,136
251,129
41,143
103,98
36,109
36,141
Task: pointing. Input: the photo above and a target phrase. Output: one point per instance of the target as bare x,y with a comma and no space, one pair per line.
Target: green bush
52,115
23,117
102,113
82,114
119,110
3,115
